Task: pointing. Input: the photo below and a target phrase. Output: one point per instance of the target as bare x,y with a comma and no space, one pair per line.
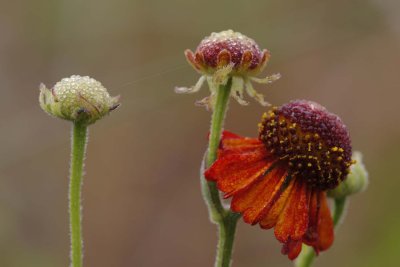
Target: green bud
357,180
78,99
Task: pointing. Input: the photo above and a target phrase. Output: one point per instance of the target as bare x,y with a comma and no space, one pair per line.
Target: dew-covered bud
78,99
357,180
228,49
229,55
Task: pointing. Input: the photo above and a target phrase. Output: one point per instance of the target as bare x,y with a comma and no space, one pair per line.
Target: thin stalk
79,140
226,235
225,219
210,190
217,120
307,255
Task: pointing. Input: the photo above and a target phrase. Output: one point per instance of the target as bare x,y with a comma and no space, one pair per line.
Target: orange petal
245,63
260,196
311,236
292,248
264,60
229,135
320,233
199,59
272,216
235,172
223,58
293,221
325,225
232,143
191,59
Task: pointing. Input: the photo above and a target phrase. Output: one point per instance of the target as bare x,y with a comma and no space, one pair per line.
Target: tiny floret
78,99
226,55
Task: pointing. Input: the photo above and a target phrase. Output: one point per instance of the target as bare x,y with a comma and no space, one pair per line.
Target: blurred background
142,202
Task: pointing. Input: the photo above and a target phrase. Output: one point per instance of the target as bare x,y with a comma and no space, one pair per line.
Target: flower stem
226,237
339,208
210,190
217,120
307,255
79,140
225,219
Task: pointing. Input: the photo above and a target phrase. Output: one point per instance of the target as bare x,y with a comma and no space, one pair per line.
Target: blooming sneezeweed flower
280,179
225,55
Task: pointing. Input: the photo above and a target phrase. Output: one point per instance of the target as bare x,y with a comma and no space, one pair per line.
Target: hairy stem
307,255
226,235
217,120
211,194
79,140
225,219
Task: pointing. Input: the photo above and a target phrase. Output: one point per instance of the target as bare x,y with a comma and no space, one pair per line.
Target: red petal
192,61
293,221
311,237
292,248
235,172
247,58
232,143
223,58
255,201
272,216
230,135
320,233
325,225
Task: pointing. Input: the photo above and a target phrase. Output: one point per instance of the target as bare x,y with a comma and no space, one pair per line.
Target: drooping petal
256,201
234,172
271,218
320,233
293,221
292,248
311,236
325,226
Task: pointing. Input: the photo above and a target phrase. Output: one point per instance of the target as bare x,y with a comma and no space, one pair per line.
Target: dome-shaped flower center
314,143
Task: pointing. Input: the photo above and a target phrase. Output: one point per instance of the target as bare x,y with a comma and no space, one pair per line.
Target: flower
280,179
225,55
79,99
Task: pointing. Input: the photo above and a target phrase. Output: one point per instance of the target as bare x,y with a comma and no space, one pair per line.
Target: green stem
79,139
225,219
307,255
226,235
217,120
210,190
339,208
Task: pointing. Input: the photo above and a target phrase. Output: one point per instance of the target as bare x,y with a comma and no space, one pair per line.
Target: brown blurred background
142,203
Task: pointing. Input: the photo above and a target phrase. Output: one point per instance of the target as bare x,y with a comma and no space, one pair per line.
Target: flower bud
357,180
78,99
224,55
